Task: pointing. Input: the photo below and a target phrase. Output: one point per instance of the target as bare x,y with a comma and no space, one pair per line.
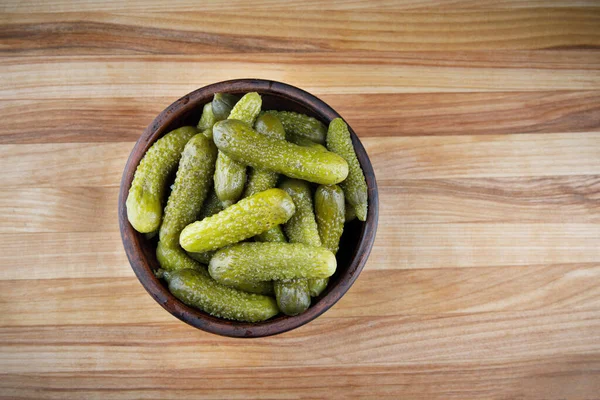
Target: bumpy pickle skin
247,262
247,146
355,185
192,184
350,213
145,198
230,175
207,119
222,105
293,296
330,213
172,259
200,291
203,258
302,227
247,218
301,125
212,205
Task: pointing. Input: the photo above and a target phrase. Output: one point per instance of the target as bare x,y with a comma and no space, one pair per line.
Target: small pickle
145,198
200,291
203,258
355,186
192,184
222,105
212,205
247,146
301,125
247,262
330,213
207,119
230,175
302,227
248,217
293,296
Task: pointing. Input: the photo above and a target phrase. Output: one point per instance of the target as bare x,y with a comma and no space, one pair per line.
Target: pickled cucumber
330,213
207,119
274,234
230,175
302,141
248,217
212,205
247,146
355,186
301,125
145,198
203,258
247,262
200,291
192,183
302,227
293,296
222,105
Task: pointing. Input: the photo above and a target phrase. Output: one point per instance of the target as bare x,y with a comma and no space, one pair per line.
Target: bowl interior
355,244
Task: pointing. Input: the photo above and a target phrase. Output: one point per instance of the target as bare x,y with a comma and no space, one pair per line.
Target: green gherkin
192,183
200,291
145,198
248,217
247,146
350,213
301,125
355,185
230,175
302,227
207,119
247,262
302,141
330,212
222,105
293,296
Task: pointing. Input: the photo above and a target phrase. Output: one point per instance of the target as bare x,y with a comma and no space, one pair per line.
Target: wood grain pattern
481,118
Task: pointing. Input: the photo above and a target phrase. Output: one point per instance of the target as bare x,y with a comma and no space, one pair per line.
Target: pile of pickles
253,220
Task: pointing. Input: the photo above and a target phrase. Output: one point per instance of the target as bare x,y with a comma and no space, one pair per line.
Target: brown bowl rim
132,239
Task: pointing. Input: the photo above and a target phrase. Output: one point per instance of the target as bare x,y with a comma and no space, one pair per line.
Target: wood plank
394,159
573,377
61,6
123,119
28,77
569,199
407,340
260,30
94,301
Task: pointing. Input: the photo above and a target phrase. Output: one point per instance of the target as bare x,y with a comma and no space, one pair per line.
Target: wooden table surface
481,118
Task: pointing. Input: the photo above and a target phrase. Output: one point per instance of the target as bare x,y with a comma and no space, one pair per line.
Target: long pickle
230,175
248,217
191,187
207,119
246,262
301,125
355,186
247,146
145,198
200,291
330,212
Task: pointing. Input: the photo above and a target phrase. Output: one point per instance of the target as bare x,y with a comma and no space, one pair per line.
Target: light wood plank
259,30
573,377
122,299
393,158
414,340
60,6
568,199
123,119
364,72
